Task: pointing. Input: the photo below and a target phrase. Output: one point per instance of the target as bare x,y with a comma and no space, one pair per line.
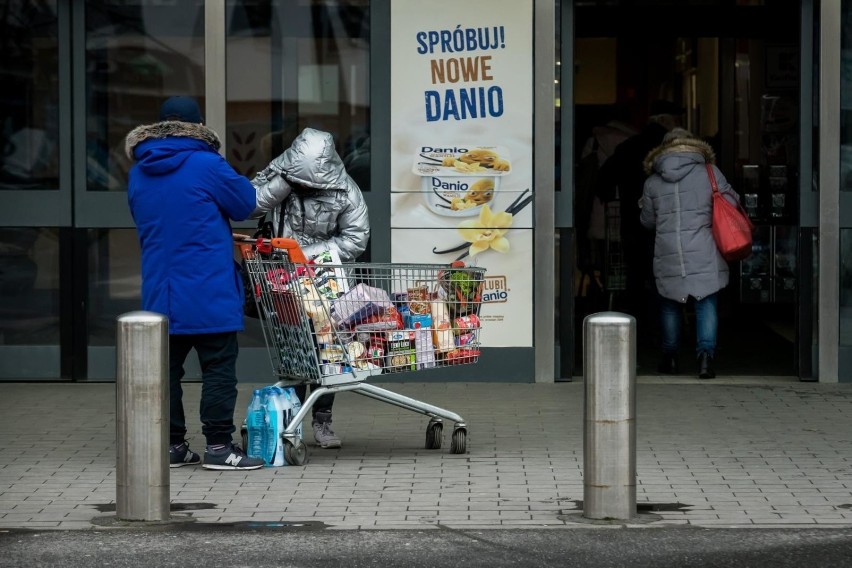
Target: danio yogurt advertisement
461,149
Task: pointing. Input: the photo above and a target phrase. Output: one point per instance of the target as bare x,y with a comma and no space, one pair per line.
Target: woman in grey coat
322,208
677,202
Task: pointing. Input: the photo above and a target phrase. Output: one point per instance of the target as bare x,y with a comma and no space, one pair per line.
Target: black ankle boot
705,366
668,364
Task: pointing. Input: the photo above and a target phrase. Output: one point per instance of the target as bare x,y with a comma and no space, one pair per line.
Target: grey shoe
180,455
230,458
323,434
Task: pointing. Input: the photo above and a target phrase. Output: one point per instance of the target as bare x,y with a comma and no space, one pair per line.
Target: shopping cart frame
354,380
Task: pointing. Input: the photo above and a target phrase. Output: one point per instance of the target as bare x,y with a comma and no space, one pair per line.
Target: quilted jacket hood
655,160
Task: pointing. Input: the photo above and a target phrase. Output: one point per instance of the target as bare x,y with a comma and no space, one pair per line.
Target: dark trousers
323,403
217,355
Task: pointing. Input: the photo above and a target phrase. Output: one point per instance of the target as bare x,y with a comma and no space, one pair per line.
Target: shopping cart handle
293,250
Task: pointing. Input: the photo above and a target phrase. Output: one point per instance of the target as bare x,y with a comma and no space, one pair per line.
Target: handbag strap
712,175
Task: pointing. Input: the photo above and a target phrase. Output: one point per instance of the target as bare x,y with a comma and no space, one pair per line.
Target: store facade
396,82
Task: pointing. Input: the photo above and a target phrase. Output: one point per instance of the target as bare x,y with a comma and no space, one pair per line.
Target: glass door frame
835,206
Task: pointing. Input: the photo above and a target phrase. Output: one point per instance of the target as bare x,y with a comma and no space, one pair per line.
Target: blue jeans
706,324
217,355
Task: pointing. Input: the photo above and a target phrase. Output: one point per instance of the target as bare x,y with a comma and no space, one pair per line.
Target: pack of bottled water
269,413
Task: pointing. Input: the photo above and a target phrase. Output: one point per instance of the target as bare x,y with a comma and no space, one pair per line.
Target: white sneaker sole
230,467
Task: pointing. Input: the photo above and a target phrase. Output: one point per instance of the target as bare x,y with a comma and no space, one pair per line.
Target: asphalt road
198,546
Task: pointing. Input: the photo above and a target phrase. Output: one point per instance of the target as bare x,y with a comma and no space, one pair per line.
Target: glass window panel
29,286
137,54
29,129
115,281
309,68
846,96
846,287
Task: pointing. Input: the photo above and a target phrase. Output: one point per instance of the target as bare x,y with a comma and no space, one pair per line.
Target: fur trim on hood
169,129
679,146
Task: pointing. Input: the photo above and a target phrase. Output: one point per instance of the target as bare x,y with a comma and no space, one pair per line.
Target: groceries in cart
381,318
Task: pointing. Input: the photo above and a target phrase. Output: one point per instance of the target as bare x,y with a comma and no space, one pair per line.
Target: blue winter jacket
182,194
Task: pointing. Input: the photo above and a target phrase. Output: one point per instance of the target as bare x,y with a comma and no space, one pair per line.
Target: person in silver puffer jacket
322,208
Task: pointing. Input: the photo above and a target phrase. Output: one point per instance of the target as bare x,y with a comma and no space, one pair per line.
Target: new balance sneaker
180,455
232,457
323,433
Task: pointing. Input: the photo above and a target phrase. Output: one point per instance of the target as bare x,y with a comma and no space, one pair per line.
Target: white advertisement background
504,323
416,229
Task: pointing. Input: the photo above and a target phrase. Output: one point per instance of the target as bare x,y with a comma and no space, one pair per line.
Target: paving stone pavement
735,452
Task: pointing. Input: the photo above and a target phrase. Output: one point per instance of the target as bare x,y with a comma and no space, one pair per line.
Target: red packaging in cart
463,323
467,339
462,355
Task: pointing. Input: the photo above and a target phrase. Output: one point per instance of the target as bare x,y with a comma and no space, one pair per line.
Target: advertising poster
461,149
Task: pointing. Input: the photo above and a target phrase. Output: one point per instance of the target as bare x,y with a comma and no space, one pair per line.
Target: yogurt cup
456,181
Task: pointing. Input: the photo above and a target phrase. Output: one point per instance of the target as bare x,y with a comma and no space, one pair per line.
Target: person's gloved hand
270,187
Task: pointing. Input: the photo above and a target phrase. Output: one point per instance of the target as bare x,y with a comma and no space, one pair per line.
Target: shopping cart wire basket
334,325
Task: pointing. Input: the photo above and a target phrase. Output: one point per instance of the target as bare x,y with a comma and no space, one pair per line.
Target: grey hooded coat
322,206
677,202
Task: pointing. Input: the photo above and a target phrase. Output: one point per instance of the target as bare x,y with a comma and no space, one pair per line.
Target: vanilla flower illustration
487,231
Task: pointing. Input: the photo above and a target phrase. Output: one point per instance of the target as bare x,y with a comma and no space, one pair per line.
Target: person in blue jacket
182,196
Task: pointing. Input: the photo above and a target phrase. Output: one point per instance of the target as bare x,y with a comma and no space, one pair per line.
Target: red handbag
731,226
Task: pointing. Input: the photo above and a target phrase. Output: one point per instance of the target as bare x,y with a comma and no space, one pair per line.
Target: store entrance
734,70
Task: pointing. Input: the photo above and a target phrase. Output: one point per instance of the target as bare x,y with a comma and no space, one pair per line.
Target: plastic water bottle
275,410
295,405
256,424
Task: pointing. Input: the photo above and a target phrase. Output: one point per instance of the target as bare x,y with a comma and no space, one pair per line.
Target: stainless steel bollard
142,417
609,428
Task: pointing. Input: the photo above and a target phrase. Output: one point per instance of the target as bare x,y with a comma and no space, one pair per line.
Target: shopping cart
333,325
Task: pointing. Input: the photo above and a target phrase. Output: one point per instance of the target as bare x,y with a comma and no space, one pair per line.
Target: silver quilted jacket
322,206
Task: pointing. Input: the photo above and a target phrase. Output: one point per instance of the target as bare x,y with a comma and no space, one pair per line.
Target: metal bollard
609,428
142,417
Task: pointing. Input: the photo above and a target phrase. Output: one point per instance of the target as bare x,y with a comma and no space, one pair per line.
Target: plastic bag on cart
358,304
330,278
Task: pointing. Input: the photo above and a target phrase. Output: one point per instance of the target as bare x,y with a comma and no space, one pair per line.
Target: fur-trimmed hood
679,146
169,129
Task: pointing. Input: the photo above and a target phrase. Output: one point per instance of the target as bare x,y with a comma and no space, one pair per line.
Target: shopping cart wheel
295,455
434,435
244,434
459,443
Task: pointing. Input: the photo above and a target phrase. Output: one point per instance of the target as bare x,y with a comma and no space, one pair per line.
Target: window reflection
846,97
309,68
137,55
846,287
115,281
29,104
29,286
